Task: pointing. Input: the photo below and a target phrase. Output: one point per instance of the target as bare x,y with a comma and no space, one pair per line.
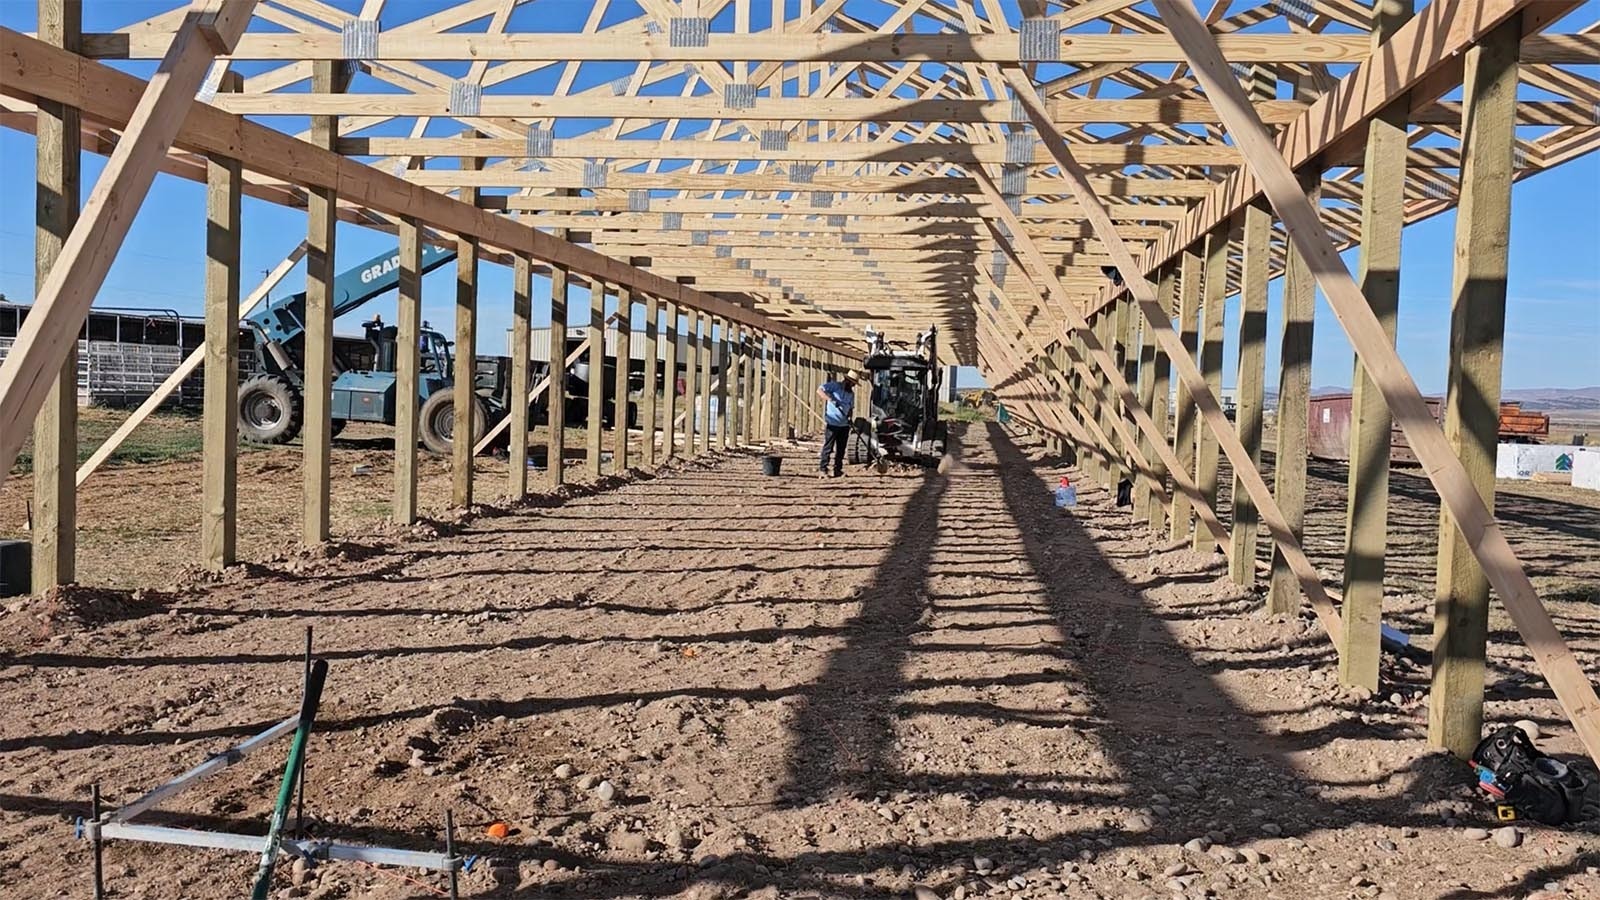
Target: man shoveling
841,400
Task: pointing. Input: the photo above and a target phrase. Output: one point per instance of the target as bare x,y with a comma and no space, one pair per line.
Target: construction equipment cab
902,426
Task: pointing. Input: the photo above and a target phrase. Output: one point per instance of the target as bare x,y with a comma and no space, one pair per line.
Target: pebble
1138,822
1508,837
1197,845
1174,870
983,865
588,781
565,770
1474,834
1529,727
1253,856
606,791
923,892
1227,855
1272,828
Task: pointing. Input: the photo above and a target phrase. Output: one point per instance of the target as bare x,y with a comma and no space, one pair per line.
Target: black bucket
771,465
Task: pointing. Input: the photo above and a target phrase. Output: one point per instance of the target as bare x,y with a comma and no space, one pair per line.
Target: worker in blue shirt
841,400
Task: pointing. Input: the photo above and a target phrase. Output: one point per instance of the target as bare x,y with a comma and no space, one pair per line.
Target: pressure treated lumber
1250,391
1294,410
1472,401
316,429
1457,486
408,372
220,417
1160,400
669,381
1180,519
619,402
648,406
594,432
691,381
35,362
704,390
55,427
521,376
1210,358
1383,181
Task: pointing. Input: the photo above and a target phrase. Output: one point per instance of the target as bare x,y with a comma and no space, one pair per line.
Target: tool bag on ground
1537,786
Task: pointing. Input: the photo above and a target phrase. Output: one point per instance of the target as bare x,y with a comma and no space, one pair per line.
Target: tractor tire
335,426
438,420
270,410
859,454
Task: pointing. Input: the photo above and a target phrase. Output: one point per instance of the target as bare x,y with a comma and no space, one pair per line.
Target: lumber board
408,372
219,506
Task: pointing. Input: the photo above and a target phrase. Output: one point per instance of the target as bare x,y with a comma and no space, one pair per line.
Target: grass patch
164,436
960,412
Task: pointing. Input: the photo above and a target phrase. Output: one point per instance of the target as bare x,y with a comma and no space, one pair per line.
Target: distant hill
1555,399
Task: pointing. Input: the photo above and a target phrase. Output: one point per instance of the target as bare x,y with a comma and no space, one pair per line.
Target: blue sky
1553,318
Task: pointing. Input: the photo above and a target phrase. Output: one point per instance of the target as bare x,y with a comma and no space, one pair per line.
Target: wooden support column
34,366
1128,316
316,433
648,406
1472,404
691,380
521,377
726,373
1216,290
468,424
669,383
556,394
594,434
219,491
1294,409
55,427
1182,513
408,373
750,366
624,355
703,392
1155,403
1250,384
1383,209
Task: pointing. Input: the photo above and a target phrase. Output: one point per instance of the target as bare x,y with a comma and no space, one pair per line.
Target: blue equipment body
364,386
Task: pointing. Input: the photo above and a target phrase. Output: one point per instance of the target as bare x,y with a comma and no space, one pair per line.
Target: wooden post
1216,291
1383,208
408,372
468,424
750,365
316,434
521,375
219,506
556,394
594,435
1250,384
55,427
669,384
703,391
624,357
1472,405
1294,409
652,382
1183,444
725,374
691,380
1155,511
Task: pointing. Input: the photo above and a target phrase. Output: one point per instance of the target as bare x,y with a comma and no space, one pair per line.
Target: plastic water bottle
1066,494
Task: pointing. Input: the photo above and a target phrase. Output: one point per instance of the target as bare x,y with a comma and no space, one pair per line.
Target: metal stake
94,838
450,849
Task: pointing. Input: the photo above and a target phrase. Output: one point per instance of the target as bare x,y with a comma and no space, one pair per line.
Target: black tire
270,410
437,420
858,455
335,426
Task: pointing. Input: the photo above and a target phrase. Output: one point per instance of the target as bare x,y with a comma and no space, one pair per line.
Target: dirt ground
786,688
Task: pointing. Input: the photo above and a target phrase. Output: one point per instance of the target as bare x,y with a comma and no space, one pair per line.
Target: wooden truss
775,179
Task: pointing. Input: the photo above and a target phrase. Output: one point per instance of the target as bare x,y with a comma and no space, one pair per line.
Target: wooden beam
467,421
1250,383
55,428
1472,402
1457,487
220,419
594,432
62,301
408,373
1216,292
556,419
1383,182
1157,401
648,406
728,379
1180,519
669,382
1294,410
691,380
316,434
704,348
521,376
619,402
